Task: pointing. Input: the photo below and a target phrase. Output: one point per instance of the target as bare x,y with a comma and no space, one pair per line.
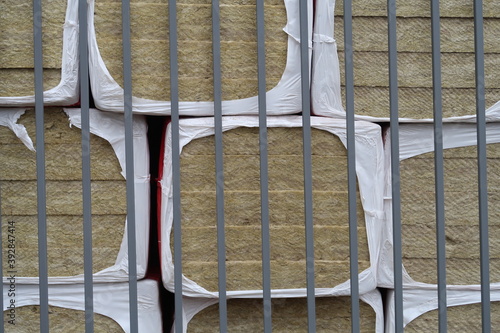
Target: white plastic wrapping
9,118
326,98
416,139
192,306
424,299
110,299
370,173
110,127
284,98
66,92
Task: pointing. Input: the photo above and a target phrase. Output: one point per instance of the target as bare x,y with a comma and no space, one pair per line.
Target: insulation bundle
420,309
67,308
59,21
242,204
238,56
415,97
64,208
288,315
460,203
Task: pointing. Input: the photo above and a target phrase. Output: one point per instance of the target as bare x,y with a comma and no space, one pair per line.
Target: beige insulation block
461,214
288,315
61,320
463,318
64,198
286,204
17,50
414,46
150,48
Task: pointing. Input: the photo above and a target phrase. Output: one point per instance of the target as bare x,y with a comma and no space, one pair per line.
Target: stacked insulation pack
370,45
64,218
150,56
64,196
243,219
461,220
59,21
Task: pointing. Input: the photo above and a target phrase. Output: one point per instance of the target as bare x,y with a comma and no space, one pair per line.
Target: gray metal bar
396,202
129,163
86,187
351,164
264,176
438,164
40,170
176,174
306,128
219,165
482,165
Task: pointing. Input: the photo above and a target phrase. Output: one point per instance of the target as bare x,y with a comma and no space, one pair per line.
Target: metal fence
308,201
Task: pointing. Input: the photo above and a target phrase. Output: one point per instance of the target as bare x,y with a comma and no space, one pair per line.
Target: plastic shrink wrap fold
461,206
59,21
67,307
63,175
151,92
244,245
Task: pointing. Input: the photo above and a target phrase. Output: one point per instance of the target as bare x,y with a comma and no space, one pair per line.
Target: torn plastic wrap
461,207
66,91
193,306
369,169
109,127
284,98
110,300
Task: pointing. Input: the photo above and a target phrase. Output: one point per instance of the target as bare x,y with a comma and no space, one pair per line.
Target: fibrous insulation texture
150,47
288,315
414,58
286,210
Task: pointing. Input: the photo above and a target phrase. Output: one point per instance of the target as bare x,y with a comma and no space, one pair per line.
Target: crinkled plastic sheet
66,92
416,139
111,128
284,98
370,173
191,306
420,300
110,299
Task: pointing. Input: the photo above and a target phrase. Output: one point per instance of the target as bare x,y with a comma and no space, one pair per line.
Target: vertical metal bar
306,127
438,164
396,201
219,165
482,165
86,187
40,170
351,164
129,162
176,175
264,177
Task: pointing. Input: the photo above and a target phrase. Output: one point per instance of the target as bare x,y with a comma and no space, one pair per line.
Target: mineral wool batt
286,204
461,213
64,198
150,48
288,315
414,46
16,45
